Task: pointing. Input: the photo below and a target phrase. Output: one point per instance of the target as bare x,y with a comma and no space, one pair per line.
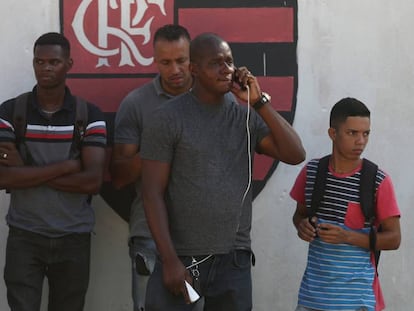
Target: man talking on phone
196,159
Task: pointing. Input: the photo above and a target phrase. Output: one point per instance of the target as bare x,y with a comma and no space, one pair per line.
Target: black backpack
367,196
20,124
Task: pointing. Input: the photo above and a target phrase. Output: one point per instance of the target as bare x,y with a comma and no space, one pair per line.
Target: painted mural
112,51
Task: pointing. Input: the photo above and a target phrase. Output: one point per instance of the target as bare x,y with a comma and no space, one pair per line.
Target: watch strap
264,99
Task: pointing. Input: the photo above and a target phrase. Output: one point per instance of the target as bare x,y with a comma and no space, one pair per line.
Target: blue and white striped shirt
338,276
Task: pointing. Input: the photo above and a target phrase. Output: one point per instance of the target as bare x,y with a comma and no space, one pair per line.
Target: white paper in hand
194,296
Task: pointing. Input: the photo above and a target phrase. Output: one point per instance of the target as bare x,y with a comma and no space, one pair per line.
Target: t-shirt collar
158,88
67,104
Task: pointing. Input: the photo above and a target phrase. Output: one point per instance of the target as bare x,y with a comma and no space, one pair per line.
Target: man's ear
332,133
193,69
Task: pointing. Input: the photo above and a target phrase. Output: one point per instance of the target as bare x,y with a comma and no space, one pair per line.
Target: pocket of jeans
242,258
354,218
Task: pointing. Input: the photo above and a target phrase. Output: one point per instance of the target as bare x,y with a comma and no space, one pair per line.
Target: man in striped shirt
50,217
340,272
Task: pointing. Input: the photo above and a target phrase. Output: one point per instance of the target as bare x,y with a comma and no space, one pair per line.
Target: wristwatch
264,99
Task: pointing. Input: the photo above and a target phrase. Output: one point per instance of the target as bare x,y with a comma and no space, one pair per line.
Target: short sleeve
386,201
128,128
95,134
297,192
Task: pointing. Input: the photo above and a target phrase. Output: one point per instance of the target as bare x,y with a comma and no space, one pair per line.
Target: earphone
249,153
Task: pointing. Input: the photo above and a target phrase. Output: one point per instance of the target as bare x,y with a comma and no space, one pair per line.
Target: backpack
367,196
20,124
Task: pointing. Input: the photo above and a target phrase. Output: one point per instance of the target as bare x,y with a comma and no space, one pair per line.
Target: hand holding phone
236,79
249,89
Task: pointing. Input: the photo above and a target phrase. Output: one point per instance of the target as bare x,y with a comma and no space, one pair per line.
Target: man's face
173,59
51,64
351,137
214,71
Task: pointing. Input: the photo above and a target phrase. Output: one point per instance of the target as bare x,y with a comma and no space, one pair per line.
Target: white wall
352,48
346,48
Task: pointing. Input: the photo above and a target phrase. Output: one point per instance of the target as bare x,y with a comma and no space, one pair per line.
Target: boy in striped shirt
340,272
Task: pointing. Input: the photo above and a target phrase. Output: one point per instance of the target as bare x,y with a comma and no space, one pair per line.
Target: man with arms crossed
172,56
340,273
196,181
50,218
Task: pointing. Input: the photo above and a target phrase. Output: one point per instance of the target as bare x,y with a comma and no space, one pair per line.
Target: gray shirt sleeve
128,120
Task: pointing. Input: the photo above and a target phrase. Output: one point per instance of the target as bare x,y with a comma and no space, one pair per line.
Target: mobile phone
236,80
194,296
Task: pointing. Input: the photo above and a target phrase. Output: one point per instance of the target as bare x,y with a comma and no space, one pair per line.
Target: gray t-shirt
131,117
206,146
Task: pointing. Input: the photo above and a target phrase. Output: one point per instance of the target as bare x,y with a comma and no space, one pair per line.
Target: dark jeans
225,284
64,261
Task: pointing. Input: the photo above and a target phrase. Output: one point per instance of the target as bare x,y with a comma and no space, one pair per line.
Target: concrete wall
346,48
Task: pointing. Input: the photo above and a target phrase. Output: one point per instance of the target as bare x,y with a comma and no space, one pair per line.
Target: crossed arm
69,175
87,180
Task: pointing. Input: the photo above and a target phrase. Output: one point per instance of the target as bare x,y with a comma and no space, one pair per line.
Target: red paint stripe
97,90
105,93
262,165
281,89
246,25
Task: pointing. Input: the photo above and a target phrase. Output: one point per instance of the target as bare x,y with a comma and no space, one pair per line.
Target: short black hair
201,43
347,107
171,32
53,38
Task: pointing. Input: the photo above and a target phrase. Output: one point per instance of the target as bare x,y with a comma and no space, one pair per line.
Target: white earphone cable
249,154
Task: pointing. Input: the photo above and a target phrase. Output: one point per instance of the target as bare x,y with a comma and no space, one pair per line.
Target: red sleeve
298,190
386,201
386,207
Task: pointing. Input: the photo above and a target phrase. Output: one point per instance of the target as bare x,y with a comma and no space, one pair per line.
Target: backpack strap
368,201
20,123
79,129
319,185
367,189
